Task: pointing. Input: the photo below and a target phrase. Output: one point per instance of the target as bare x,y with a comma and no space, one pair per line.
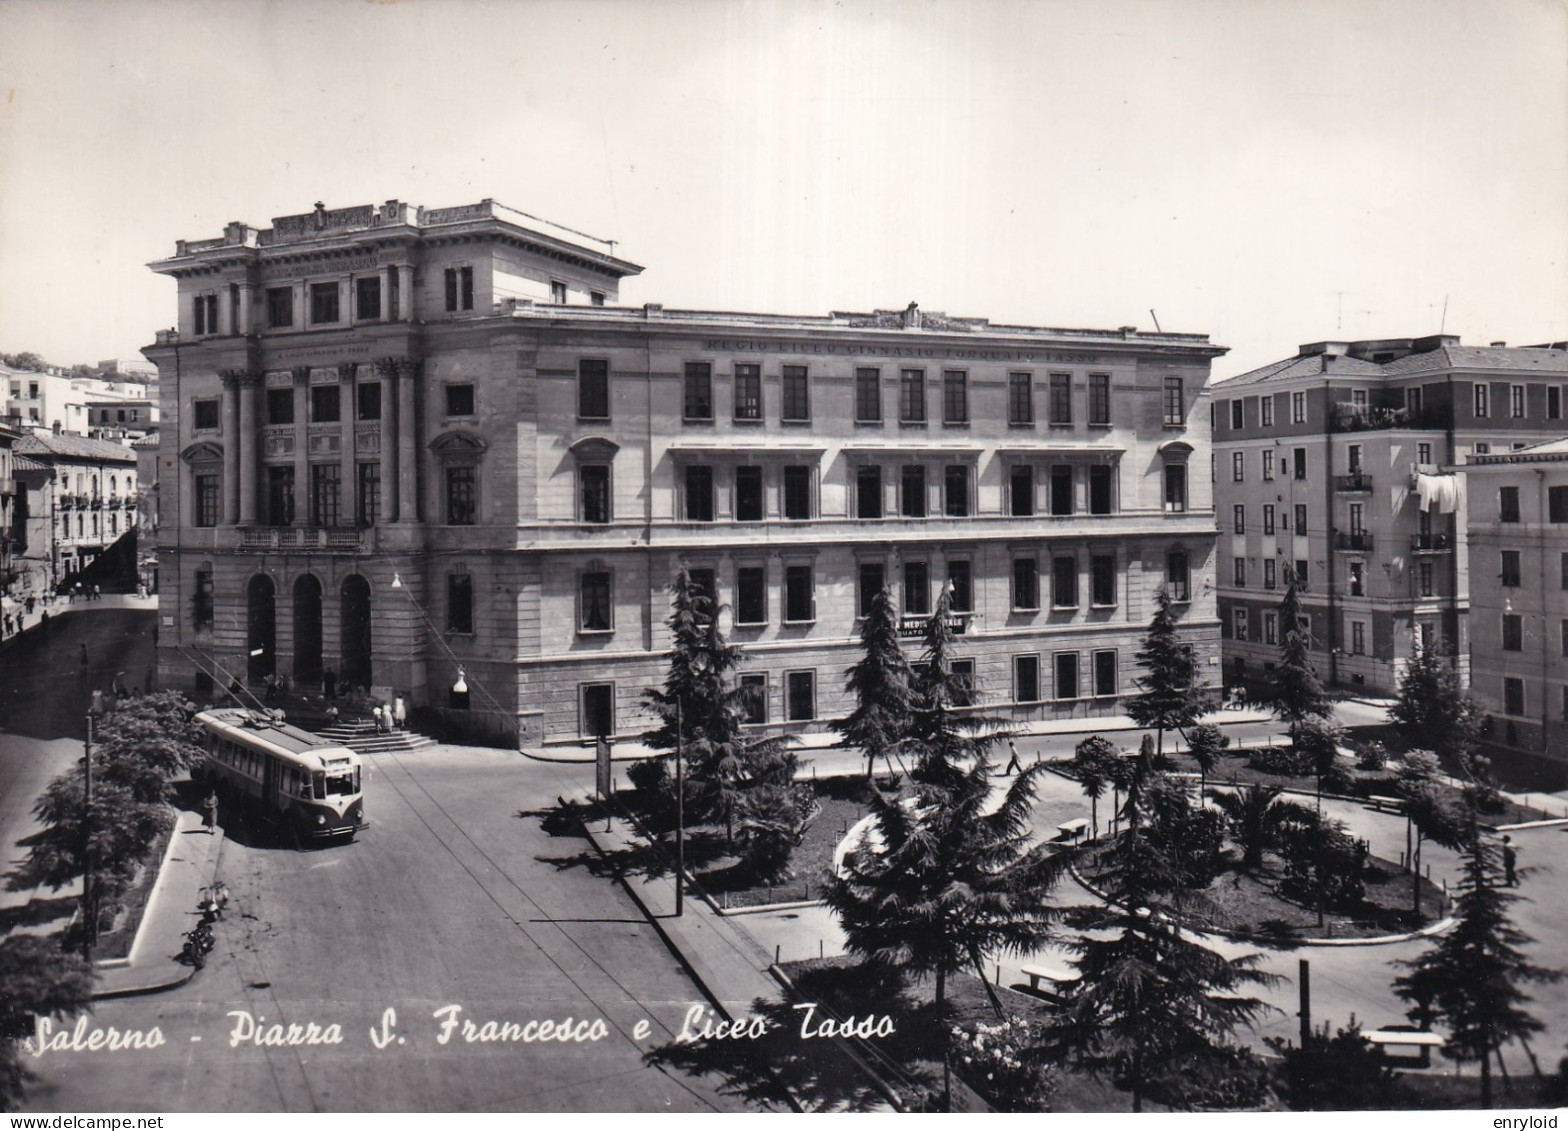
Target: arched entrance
307,630
355,610
261,628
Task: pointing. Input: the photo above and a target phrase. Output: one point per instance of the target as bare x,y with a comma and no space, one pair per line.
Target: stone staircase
360,736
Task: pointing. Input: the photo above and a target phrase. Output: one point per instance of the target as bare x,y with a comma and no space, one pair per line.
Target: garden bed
132,903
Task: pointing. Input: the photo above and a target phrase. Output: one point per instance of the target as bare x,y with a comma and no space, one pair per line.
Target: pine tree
1096,764
1433,711
37,979
1471,977
880,682
1298,693
1151,1007
1169,697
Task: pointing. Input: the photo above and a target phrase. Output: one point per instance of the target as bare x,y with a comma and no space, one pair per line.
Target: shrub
1372,756
1342,1073
650,775
1323,861
998,1060
1214,1078
1286,761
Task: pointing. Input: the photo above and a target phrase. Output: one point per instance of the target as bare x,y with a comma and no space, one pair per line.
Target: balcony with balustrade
1353,542
1357,482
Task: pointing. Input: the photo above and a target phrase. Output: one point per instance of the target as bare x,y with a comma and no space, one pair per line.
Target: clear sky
1268,172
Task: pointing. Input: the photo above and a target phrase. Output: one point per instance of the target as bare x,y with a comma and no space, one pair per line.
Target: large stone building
1518,543
1340,463
75,497
411,445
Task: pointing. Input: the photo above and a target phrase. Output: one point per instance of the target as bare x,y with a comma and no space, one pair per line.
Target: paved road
454,897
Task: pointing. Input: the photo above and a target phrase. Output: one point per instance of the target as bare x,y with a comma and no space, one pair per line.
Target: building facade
1518,543
10,536
1342,464
76,496
416,445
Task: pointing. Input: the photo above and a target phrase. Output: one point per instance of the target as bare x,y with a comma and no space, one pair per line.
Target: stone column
301,447
225,310
407,449
405,292
247,307
249,427
386,369
348,489
386,309
231,447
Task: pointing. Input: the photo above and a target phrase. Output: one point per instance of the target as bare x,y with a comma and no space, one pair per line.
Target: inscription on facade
327,266
940,353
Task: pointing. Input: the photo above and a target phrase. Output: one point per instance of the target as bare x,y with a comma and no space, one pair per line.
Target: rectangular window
1513,632
917,589
206,312
594,487
323,303
369,495
1099,490
595,603
1026,585
797,493
912,396
1099,398
705,582
956,490
593,389
326,405
1424,578
1175,487
280,496
1270,577
1102,580
868,492
207,499
955,397
1064,583
1301,572
1557,504
1298,408
280,307
1357,579
1299,461
1062,489
280,406
748,392
961,580
557,292
1020,399
1271,628
1066,675
1480,393
797,395
699,493
751,595
367,297
912,491
462,496
754,697
1238,467
598,707
801,694
325,493
800,604
1266,413
1239,572
1061,398
201,602
1238,515
1554,402
1516,401
868,396
698,400
1358,518
1423,453
1301,518
367,401
1173,404
460,400
1353,458
1562,567
1562,635
1358,638
1178,576
459,288
1026,679
1268,518
1268,465
748,494
1235,414
1511,571
871,581
1508,504
1021,491
1513,695
1104,673
204,416
1239,623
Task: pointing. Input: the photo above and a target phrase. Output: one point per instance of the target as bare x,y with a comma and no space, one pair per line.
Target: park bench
1072,830
1408,1047
1387,804
1055,978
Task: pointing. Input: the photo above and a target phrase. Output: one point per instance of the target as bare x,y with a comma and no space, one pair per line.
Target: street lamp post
89,910
680,814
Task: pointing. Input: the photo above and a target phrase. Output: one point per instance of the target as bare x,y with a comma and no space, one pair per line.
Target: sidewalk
63,606
189,865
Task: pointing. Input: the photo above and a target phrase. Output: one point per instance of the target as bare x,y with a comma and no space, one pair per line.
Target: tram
302,783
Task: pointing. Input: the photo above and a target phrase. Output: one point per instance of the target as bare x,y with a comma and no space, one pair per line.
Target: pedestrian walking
210,808
43,621
329,683
375,715
97,593
30,602
399,713
1510,863
1013,765
84,655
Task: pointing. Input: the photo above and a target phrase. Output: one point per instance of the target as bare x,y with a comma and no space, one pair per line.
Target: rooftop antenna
1156,318
1444,322
1339,313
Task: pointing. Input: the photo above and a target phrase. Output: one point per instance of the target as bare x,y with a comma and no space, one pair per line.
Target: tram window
320,781
339,783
